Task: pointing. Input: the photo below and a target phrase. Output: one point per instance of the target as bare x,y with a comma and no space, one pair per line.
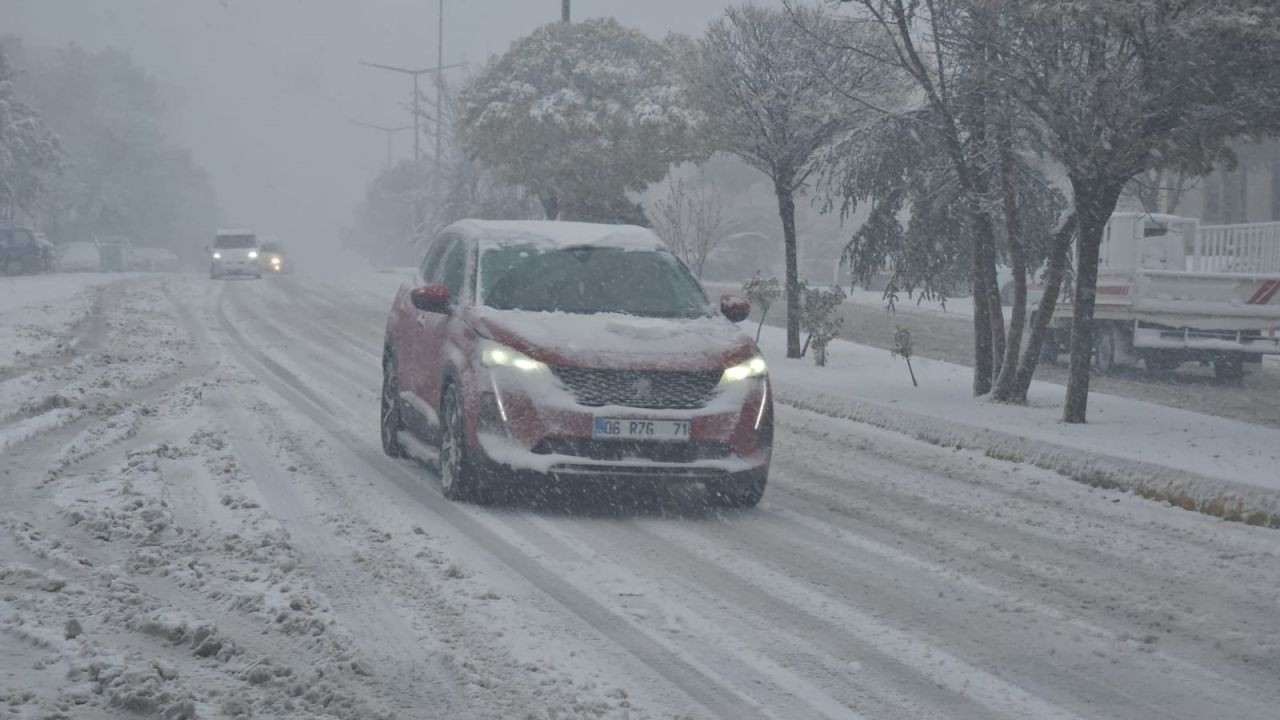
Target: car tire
457,471
738,493
390,422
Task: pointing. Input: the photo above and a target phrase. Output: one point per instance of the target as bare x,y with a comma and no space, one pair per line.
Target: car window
235,242
588,280
454,273
431,263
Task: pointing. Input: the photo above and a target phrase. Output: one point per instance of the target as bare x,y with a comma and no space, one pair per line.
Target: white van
235,252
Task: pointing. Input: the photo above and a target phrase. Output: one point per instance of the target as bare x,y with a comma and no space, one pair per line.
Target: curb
1227,499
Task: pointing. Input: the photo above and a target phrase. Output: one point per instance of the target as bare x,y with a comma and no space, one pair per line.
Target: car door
438,328
412,336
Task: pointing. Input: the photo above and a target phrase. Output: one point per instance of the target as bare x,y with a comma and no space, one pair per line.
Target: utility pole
564,11
435,178
389,131
417,110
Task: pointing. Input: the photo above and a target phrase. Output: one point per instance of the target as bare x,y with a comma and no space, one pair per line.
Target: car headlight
494,355
275,261
253,254
217,256
755,367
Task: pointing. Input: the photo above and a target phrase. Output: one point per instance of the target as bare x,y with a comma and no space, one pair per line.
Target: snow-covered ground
860,378
215,533
40,311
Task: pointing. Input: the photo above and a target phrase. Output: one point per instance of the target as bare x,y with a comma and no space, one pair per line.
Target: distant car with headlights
274,259
235,253
526,351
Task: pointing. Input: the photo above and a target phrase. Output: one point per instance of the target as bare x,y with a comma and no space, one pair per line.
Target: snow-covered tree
29,151
690,218
1123,87
579,114
959,104
920,223
123,175
774,92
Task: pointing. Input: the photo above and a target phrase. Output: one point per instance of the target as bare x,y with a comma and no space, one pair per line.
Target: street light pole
564,11
388,131
435,179
417,111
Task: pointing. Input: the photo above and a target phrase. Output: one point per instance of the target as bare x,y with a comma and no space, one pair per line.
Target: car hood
617,341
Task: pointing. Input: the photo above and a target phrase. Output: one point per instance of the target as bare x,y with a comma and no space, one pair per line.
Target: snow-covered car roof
234,231
559,234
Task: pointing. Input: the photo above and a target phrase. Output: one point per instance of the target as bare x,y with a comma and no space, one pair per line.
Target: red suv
554,350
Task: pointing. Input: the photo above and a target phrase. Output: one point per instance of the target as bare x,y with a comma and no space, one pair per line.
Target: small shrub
821,319
762,292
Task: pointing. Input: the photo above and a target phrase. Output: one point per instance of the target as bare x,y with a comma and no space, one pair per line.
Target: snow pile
39,313
144,612
1222,467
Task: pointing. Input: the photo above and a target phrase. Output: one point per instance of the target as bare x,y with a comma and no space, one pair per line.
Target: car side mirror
431,298
735,308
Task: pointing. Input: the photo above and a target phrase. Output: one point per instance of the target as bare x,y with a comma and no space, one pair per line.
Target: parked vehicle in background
80,256
147,259
526,351
235,253
115,252
274,258
25,252
1171,291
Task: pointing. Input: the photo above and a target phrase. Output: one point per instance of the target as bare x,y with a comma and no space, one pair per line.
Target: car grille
641,389
652,450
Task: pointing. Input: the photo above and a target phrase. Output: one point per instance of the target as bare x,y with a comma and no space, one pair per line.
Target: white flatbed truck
1171,291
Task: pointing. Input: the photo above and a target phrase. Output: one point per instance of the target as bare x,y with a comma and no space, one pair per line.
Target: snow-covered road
223,529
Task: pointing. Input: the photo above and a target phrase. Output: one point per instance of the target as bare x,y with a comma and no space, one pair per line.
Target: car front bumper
552,436
235,267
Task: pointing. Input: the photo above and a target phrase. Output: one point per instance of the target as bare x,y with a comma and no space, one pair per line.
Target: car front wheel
390,424
457,472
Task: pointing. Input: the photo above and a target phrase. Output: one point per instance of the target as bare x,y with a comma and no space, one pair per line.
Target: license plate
637,429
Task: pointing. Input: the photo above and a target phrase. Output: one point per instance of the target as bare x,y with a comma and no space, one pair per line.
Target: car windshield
588,279
271,247
235,242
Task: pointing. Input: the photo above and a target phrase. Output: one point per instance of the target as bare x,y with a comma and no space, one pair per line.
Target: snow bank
1214,465
36,310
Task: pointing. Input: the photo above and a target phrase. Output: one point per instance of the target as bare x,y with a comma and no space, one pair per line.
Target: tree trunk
1095,201
787,211
991,285
550,205
1213,199
1061,245
1006,382
564,11
1275,183
982,355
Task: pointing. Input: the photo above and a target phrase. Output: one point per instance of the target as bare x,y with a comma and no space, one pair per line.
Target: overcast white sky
271,85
